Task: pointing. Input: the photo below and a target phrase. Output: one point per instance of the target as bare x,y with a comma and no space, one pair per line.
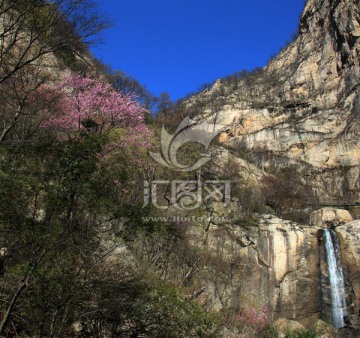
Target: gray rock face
305,105
278,265
350,241
330,217
272,265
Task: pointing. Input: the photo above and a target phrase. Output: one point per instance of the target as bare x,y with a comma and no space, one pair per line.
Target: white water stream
336,276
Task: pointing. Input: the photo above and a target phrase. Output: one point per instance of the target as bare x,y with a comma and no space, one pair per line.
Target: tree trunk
23,284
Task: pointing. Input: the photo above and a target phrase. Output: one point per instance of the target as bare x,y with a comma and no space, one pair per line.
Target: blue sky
175,46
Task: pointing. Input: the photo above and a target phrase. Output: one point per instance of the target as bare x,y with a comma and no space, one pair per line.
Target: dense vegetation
79,254
69,145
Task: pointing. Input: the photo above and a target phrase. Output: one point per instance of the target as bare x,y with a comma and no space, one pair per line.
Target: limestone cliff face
278,265
304,109
305,105
350,240
274,267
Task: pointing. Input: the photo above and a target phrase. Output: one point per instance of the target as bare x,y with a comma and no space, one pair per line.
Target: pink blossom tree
251,321
91,105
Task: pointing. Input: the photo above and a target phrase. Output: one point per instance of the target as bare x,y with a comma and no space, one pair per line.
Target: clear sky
175,46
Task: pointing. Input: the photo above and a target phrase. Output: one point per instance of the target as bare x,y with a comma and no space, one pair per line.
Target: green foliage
49,225
69,58
299,334
168,314
60,201
189,153
271,332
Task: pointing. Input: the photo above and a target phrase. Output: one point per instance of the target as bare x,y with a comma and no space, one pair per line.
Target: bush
299,334
251,321
285,191
271,332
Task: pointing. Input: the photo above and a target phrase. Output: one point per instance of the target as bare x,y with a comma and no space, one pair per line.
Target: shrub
251,321
285,191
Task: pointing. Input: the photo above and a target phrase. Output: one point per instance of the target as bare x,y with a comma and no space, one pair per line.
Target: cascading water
336,278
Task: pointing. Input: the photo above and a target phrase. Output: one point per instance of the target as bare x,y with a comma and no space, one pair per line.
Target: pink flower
92,105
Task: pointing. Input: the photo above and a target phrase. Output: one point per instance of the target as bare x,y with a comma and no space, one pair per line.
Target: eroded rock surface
305,105
277,264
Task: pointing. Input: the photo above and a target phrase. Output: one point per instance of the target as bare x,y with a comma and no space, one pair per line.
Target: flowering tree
91,105
83,110
251,322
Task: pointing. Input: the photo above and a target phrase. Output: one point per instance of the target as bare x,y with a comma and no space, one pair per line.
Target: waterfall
336,278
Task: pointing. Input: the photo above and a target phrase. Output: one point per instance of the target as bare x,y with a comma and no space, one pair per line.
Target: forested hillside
73,143
123,214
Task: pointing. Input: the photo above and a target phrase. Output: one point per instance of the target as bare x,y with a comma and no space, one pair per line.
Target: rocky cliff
304,106
301,110
278,265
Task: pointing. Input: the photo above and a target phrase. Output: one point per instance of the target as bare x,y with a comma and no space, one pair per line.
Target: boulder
323,329
330,217
286,326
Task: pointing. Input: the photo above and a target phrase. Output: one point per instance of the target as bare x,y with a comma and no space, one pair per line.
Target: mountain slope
304,105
